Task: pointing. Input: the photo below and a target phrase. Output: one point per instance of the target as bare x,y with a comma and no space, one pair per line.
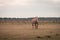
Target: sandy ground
25,32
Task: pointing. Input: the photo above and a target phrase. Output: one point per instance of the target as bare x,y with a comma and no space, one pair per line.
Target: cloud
15,2
28,2
29,7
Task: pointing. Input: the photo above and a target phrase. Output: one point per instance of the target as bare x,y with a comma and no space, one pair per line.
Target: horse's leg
32,25
36,25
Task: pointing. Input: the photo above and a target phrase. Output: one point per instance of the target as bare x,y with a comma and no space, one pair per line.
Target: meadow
24,31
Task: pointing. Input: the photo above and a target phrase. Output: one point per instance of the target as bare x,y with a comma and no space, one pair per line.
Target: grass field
25,32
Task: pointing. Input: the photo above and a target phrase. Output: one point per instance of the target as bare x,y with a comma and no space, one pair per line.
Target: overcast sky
29,8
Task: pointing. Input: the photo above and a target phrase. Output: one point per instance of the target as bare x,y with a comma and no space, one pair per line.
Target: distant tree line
41,19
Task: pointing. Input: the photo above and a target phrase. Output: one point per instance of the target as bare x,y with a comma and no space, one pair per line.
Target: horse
35,23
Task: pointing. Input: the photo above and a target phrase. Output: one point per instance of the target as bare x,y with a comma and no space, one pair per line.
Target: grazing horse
35,22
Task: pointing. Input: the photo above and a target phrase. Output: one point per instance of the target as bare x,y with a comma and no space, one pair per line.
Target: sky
29,8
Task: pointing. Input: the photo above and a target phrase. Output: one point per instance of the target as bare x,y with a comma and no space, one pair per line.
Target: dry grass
25,32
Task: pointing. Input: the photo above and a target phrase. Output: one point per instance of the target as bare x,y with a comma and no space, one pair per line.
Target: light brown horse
35,22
